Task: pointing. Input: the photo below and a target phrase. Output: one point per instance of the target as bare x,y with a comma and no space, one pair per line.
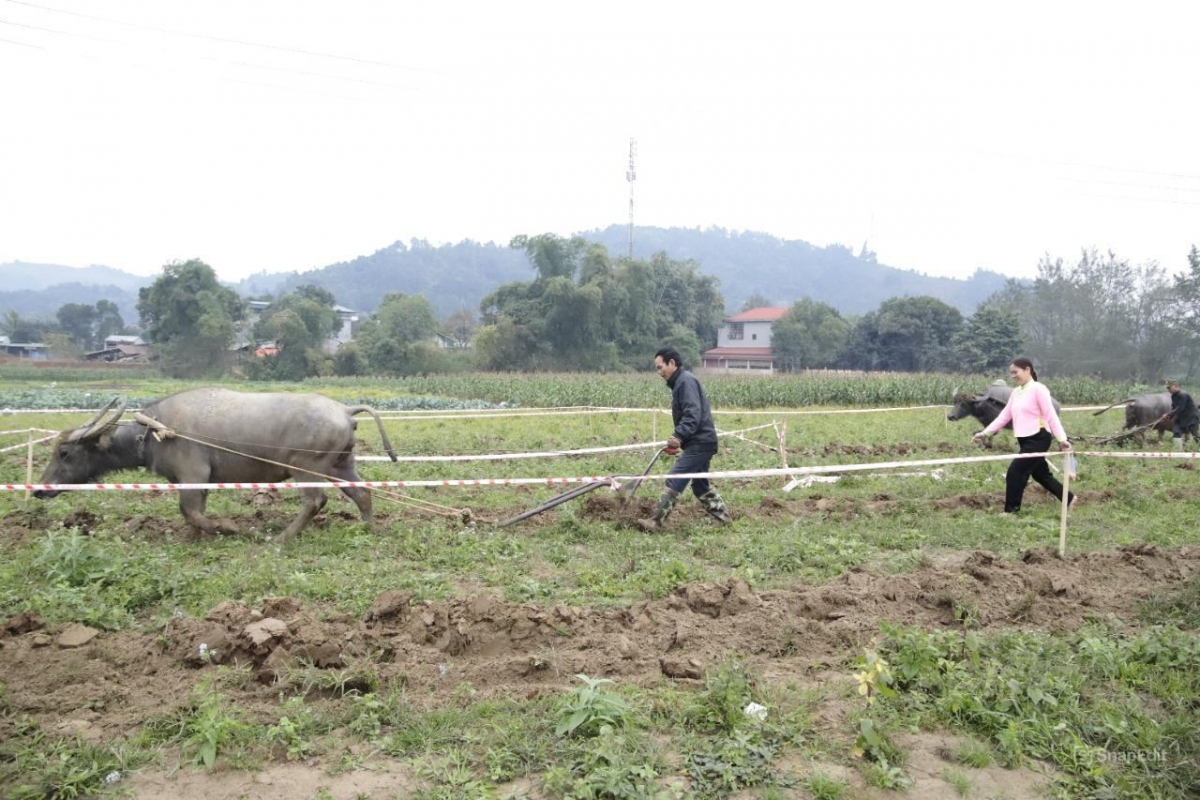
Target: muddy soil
103,686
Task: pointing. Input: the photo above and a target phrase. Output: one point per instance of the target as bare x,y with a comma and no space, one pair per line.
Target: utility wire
61,33
221,39
22,44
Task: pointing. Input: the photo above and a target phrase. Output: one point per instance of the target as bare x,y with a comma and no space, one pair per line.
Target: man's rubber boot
715,507
666,501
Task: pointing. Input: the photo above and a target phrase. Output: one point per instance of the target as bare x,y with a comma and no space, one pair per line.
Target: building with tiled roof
744,341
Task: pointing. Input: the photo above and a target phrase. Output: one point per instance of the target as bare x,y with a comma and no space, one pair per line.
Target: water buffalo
220,436
1145,409
986,405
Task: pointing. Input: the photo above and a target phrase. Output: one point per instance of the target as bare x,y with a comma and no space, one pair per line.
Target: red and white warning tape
790,472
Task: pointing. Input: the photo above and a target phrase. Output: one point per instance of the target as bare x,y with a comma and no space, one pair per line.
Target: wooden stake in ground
28,464
1066,504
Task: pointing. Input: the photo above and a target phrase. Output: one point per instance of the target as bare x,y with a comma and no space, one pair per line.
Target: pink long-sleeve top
1030,409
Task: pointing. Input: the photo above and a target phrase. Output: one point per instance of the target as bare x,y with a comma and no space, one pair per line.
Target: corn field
644,390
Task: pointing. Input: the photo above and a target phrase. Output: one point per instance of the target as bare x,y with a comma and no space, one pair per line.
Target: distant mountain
16,275
783,271
43,304
458,276
452,276
36,291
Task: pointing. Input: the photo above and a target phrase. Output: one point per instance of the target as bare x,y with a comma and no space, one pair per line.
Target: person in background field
1184,417
1036,425
695,434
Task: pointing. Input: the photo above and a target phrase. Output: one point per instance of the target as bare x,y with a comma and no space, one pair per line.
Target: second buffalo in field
221,436
1146,409
985,406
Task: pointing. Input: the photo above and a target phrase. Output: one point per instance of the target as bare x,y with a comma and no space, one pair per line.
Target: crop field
887,632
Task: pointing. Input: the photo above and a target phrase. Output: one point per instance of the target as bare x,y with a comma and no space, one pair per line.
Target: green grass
1069,699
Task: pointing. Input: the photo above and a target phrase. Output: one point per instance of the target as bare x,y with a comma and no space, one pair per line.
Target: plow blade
556,501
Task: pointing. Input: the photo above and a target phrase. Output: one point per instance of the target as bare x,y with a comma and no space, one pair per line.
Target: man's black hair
669,354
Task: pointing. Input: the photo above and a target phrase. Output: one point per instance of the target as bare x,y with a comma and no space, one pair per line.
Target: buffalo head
84,453
964,406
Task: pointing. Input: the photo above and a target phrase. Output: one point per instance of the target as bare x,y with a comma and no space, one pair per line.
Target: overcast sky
289,135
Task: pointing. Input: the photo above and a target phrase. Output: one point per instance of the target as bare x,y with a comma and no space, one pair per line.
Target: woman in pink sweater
1035,424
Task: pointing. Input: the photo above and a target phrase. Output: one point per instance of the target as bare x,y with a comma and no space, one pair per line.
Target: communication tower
631,176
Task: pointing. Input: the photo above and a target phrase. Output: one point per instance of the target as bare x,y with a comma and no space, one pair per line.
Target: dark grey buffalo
1146,409
221,436
985,406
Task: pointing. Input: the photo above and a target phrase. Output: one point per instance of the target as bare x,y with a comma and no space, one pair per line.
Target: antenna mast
631,176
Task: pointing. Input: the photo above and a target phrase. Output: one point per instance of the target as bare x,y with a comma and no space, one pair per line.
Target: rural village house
744,341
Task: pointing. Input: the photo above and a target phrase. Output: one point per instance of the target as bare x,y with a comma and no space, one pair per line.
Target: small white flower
112,777
442,670
755,711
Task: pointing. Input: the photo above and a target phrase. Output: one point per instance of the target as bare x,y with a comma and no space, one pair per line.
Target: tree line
585,310
1100,316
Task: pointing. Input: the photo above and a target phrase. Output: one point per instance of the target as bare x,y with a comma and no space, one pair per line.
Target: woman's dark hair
1025,363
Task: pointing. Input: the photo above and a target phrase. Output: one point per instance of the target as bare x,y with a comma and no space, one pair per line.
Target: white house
350,322
744,341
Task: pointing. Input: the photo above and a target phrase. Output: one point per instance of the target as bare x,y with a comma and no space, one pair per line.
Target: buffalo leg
314,501
192,503
360,496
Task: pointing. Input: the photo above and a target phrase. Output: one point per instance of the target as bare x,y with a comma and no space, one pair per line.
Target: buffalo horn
97,425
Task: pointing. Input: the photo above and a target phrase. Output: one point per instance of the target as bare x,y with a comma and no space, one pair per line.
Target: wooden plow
1124,436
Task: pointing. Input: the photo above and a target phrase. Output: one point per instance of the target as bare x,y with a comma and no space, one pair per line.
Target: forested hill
456,276
452,277
784,271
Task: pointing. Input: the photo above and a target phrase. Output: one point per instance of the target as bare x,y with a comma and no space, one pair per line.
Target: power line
219,38
22,44
61,33
216,60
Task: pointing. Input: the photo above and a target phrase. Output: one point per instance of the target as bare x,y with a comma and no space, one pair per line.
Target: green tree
584,311
1103,316
461,325
810,335
1187,293
989,340
108,321
905,334
552,256
349,360
78,322
504,346
20,329
390,338
190,316
299,323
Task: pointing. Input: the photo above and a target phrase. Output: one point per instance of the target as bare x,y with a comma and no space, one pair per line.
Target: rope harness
160,432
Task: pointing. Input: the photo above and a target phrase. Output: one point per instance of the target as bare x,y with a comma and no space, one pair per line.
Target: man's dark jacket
694,426
1183,410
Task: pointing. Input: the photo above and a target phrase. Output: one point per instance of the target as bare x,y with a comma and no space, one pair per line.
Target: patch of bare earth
104,686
